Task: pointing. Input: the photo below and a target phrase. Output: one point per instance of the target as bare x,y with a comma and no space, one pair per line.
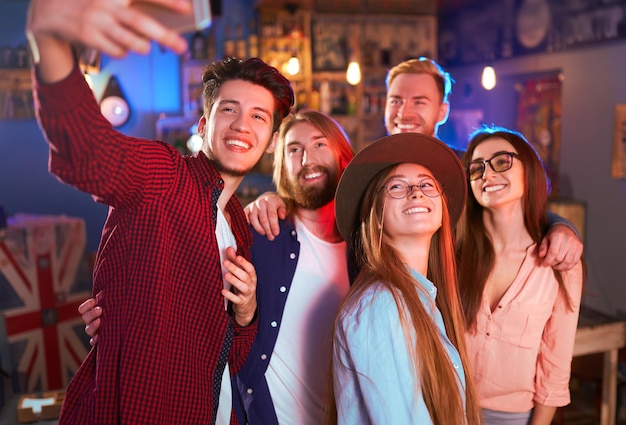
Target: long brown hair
475,252
381,263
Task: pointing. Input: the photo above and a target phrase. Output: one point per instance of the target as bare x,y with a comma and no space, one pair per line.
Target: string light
293,65
353,74
489,78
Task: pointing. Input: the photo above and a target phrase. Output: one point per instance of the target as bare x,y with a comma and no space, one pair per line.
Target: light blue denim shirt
374,379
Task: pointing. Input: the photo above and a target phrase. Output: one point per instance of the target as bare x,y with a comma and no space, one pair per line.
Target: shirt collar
426,284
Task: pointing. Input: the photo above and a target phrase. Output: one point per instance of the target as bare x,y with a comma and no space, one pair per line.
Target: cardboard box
40,406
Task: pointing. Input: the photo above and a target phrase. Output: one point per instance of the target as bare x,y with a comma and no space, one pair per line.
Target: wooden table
599,333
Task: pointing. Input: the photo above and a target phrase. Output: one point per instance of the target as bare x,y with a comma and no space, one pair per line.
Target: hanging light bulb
353,74
489,78
293,65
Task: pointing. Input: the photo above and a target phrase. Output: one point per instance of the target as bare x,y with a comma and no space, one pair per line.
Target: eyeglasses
500,162
400,189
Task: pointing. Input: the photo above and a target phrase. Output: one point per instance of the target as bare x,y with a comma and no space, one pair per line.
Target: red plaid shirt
157,275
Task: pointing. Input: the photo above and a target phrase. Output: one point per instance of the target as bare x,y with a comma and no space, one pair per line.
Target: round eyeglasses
400,189
499,163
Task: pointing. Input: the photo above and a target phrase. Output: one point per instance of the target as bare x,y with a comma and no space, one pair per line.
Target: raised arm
111,26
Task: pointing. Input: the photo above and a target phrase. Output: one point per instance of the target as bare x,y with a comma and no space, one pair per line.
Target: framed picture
539,120
330,45
618,168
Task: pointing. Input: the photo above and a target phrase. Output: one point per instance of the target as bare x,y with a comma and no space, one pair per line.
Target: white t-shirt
298,372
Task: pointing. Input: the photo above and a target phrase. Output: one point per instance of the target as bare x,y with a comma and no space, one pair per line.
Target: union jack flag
40,258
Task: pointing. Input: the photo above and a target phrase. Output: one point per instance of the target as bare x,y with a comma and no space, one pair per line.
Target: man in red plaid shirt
174,246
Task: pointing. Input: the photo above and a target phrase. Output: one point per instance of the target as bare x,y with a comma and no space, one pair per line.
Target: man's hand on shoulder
264,214
561,248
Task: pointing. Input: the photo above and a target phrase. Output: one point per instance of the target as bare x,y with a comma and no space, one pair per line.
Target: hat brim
396,149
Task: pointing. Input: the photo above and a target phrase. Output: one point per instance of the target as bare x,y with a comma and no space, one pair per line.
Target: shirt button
488,334
489,317
293,233
499,306
456,365
282,289
263,356
292,256
273,324
249,391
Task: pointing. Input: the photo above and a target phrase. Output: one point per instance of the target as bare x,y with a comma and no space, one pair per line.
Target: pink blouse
521,353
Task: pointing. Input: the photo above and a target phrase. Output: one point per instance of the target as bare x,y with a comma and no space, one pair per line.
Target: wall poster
539,120
618,168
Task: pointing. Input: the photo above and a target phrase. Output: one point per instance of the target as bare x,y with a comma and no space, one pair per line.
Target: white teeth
239,143
313,175
415,210
405,126
494,188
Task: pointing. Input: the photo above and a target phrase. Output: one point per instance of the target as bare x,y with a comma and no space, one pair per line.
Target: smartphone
199,19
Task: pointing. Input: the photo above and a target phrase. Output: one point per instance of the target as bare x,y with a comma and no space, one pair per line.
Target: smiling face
414,215
311,166
495,190
414,105
238,128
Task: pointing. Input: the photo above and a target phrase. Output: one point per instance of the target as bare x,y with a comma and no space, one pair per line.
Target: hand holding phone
198,19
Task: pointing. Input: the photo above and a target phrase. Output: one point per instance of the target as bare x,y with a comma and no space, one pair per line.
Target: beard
312,197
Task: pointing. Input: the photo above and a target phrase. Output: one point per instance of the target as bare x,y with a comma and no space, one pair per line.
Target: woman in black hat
399,351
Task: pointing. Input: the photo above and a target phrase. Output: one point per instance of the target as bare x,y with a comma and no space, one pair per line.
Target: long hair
423,65
475,252
335,135
380,262
255,71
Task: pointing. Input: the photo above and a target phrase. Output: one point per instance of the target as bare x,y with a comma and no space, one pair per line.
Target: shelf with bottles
285,43
389,40
336,97
177,130
16,97
192,87
288,55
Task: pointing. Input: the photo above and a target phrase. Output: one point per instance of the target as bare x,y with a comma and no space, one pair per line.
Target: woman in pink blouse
521,315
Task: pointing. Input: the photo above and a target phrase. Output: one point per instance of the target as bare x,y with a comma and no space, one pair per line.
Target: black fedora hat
399,148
